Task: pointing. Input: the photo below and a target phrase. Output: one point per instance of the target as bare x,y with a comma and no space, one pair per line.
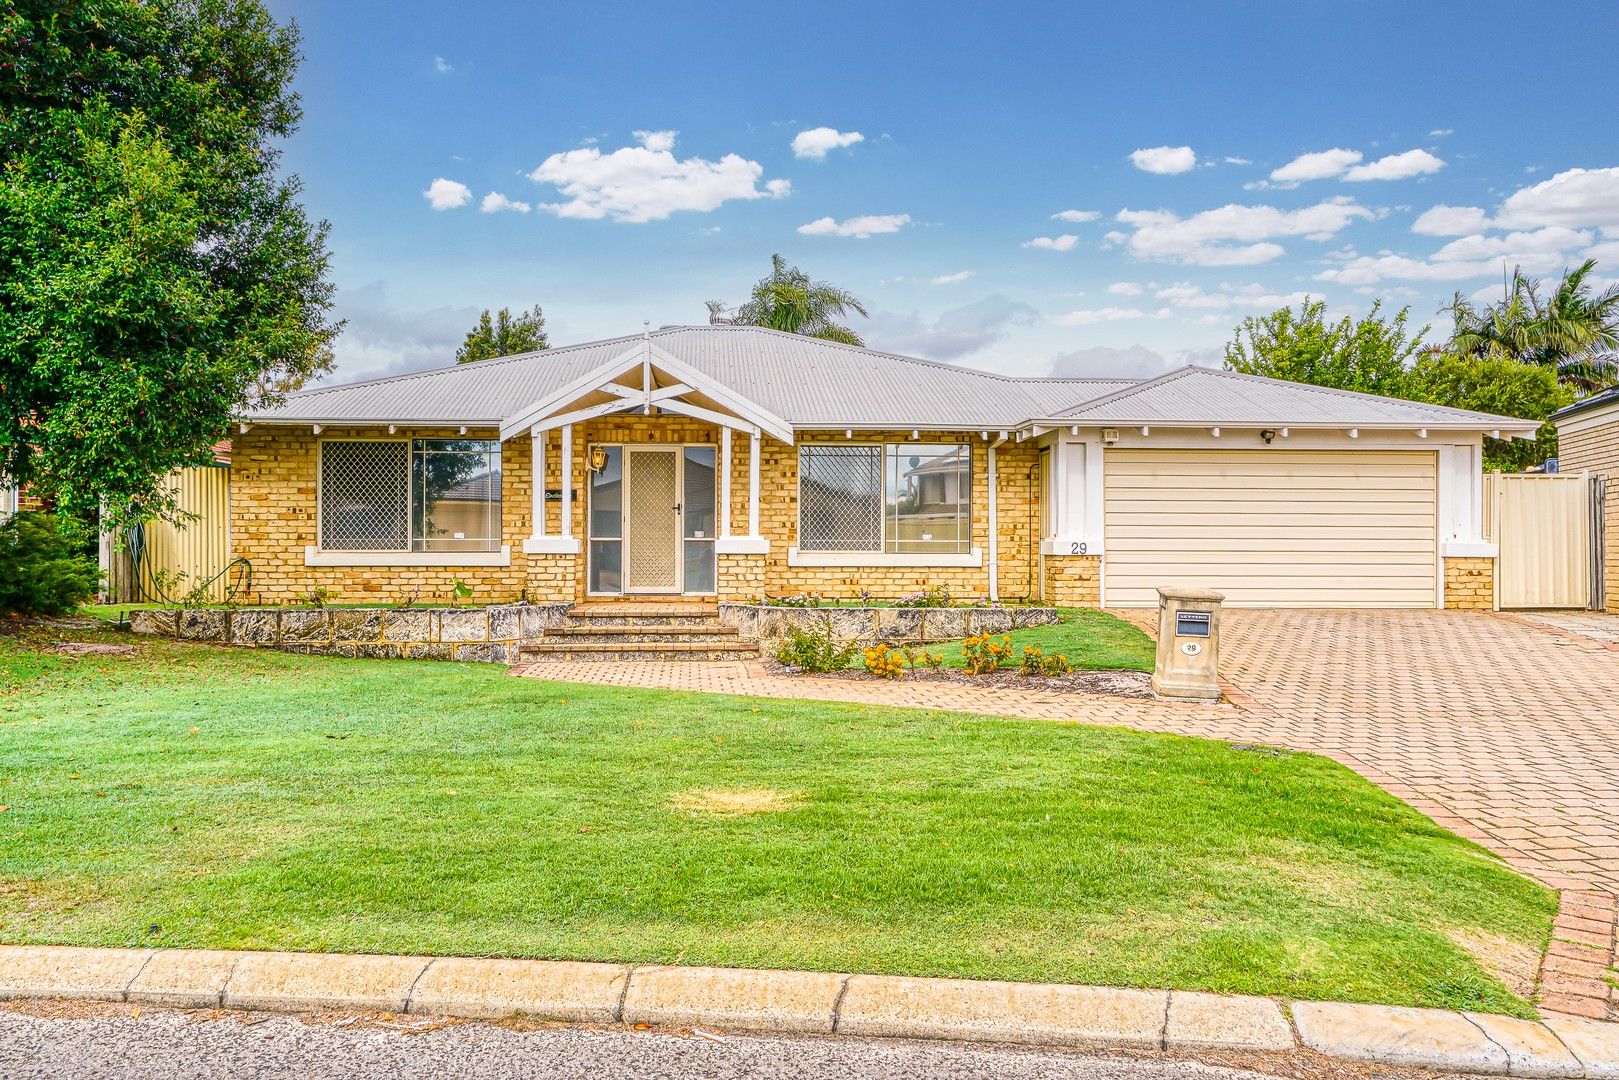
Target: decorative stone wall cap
1204,596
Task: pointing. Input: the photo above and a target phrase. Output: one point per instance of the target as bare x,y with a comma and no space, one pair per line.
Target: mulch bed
1131,684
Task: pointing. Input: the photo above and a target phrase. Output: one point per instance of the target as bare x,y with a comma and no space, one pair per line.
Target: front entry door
652,521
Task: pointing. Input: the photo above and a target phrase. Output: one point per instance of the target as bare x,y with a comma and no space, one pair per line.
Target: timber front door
652,520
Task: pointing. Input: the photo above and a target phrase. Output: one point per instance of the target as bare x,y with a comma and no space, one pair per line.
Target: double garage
1273,527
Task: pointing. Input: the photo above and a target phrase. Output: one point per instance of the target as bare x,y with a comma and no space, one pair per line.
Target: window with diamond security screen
420,495
364,496
840,498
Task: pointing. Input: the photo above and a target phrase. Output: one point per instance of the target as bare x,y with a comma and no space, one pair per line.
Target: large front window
899,498
429,495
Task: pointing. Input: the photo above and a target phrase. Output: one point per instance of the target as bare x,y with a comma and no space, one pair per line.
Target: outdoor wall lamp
598,458
1267,434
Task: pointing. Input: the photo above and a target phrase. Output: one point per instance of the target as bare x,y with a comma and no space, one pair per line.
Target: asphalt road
109,1044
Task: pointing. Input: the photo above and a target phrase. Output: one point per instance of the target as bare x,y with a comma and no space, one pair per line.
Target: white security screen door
652,522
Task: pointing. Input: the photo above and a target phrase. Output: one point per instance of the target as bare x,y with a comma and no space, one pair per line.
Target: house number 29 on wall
1076,548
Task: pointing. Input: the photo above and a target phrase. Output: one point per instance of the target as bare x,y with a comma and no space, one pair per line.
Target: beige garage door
1273,528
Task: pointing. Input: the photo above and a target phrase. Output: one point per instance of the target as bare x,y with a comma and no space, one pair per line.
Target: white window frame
315,555
973,556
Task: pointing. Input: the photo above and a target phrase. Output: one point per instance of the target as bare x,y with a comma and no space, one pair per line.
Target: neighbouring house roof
806,383
1200,395
1586,404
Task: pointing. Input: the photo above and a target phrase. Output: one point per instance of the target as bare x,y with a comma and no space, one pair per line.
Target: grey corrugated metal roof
821,384
1197,395
806,381
1595,401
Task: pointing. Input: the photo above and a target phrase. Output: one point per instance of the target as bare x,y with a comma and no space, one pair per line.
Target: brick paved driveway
1505,732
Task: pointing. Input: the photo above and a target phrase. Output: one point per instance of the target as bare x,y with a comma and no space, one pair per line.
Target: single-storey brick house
734,462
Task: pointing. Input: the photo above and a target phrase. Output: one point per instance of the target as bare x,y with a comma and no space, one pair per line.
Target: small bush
40,571
937,596
981,653
1036,662
884,662
814,650
804,599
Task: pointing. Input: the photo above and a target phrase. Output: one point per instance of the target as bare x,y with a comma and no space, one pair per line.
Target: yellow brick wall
1470,584
1596,450
1073,580
274,517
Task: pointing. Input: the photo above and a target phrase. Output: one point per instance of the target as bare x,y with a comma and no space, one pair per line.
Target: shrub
937,596
1036,662
981,653
804,599
41,573
814,650
884,662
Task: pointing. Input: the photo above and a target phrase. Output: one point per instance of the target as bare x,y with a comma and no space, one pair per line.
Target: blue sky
616,162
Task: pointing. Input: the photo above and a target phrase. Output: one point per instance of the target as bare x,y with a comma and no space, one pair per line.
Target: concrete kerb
815,1002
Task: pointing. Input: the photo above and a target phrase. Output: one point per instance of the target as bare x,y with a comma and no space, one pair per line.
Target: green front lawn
1088,638
210,797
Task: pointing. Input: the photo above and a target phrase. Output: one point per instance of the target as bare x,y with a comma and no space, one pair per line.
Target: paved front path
1505,731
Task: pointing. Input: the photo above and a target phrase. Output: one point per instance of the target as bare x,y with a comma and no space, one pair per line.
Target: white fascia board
771,424
602,373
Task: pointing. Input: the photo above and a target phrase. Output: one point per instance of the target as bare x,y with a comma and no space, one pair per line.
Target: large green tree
1573,331
786,299
504,335
1370,354
1499,385
157,272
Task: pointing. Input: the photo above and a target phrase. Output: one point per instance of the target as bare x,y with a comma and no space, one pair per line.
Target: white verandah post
538,482
725,482
753,485
567,482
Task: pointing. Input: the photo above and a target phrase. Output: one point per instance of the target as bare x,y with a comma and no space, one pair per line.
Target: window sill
551,545
795,557
314,556
741,545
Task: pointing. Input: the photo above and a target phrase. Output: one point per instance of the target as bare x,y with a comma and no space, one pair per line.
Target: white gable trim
749,416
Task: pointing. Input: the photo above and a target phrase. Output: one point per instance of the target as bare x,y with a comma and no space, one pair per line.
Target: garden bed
1131,684
896,625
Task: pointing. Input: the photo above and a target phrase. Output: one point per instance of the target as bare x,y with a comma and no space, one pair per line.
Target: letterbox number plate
1192,624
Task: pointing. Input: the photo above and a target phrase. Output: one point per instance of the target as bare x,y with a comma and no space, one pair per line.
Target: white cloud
954,334
1396,167
495,202
1107,362
656,141
1126,288
1234,235
1440,133
1445,220
861,228
1065,242
380,339
442,66
1320,165
1577,198
445,194
1236,160
951,279
1164,160
1537,251
1092,316
1076,216
647,182
815,143
1253,296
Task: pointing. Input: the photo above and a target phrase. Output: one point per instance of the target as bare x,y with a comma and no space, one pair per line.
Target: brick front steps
652,631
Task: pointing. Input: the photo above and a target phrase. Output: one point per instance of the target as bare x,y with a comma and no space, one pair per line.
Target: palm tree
1575,332
788,300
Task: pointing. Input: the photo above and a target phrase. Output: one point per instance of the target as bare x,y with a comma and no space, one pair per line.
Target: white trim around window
314,556
795,557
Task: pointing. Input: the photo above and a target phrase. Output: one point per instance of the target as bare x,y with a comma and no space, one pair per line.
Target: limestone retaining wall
489,634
